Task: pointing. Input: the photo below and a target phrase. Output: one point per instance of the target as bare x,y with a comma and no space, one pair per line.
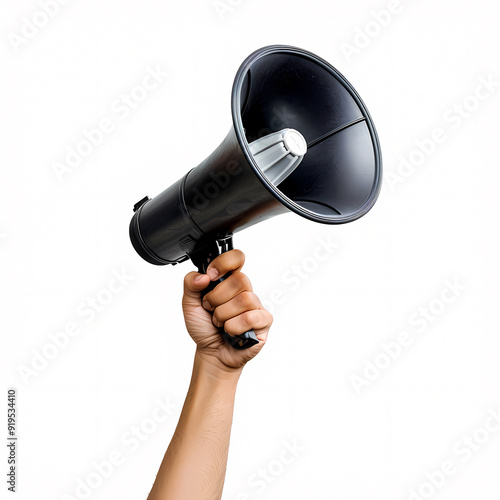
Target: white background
62,239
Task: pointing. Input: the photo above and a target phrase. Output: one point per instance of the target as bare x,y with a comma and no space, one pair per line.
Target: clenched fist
231,305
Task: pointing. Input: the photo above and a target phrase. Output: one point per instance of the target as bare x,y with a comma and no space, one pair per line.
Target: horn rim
238,127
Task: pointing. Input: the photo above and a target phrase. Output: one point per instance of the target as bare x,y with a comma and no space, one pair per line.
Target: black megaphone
302,140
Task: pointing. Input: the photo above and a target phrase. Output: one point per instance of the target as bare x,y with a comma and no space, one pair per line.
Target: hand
233,305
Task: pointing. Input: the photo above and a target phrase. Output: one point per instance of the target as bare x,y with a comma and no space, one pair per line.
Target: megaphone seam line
336,131
184,207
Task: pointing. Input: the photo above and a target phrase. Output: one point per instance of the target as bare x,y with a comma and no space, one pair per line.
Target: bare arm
194,465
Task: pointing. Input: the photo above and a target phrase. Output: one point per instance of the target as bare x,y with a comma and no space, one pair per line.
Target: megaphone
302,140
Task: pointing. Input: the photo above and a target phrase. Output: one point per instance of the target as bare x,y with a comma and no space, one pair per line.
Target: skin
194,465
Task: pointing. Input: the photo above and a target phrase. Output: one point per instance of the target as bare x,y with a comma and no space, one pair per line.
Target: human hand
234,307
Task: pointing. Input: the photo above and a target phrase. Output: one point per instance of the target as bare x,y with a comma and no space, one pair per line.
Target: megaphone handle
244,340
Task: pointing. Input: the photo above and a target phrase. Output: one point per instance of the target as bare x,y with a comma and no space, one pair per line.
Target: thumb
194,284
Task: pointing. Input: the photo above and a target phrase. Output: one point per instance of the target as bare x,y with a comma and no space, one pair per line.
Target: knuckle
243,281
246,299
257,302
248,319
270,318
239,278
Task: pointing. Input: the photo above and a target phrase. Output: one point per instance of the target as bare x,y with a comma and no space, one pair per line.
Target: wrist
213,368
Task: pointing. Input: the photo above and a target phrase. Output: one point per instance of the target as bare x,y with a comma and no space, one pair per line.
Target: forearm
194,465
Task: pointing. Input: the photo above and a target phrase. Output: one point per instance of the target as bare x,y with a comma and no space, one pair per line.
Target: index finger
225,263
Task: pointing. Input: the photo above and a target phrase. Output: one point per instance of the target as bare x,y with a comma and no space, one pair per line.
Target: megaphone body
302,140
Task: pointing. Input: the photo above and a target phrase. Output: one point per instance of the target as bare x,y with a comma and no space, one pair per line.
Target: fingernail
198,278
212,273
206,304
